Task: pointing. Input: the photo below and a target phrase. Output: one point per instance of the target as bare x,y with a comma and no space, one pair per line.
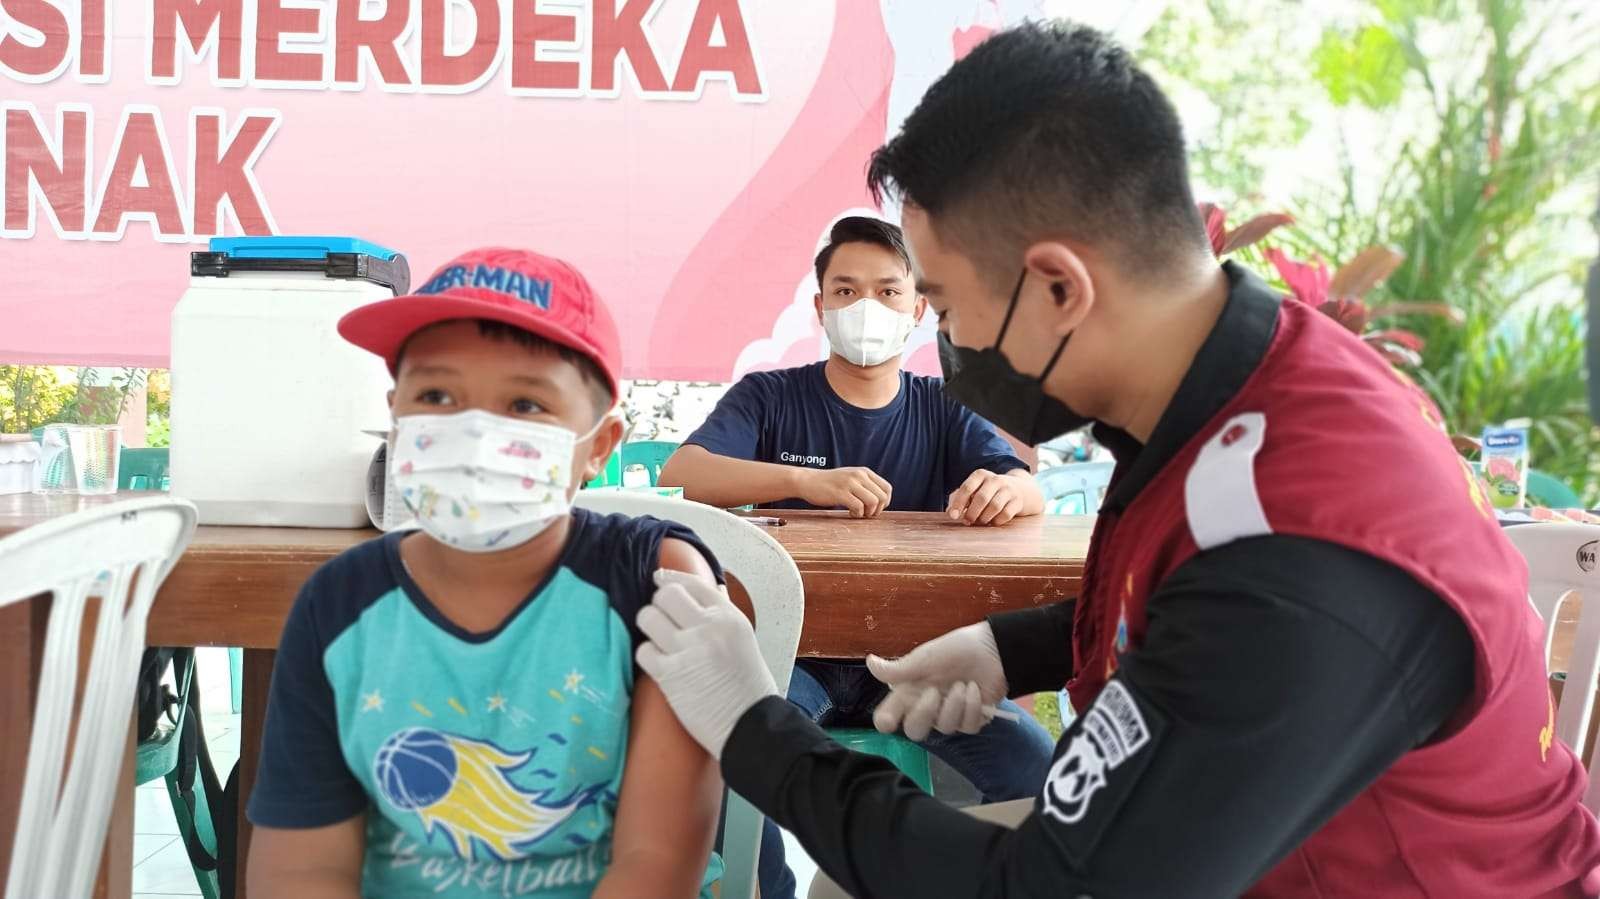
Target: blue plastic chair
1076,489
157,758
1548,491
909,757
143,469
652,454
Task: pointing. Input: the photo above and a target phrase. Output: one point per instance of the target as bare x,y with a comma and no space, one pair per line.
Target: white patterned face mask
480,482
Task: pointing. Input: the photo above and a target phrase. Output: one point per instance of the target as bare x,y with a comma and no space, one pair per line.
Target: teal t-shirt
488,764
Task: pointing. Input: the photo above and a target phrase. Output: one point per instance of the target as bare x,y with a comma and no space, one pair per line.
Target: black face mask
984,381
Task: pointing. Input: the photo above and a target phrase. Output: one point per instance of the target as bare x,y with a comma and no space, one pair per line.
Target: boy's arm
307,807
315,863
671,791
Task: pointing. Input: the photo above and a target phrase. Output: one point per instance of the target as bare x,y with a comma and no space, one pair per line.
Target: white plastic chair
770,577
1562,563
120,552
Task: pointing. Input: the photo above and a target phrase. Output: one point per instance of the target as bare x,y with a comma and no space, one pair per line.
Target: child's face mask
480,482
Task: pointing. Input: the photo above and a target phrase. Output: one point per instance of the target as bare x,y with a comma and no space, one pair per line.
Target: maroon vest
1326,441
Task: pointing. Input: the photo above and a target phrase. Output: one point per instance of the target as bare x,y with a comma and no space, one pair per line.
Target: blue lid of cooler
293,246
335,257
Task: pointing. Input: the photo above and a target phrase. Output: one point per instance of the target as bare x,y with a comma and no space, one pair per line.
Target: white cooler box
268,401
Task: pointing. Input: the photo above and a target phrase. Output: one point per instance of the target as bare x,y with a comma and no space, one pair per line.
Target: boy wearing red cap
455,709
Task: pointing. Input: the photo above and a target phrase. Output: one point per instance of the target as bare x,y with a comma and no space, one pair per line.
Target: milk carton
1505,464
268,401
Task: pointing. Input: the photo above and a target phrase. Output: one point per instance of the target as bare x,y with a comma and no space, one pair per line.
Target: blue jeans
1005,760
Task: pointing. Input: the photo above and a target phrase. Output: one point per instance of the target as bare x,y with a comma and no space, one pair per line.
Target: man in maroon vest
1303,652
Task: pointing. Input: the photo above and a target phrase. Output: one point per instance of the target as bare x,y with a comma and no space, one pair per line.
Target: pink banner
687,155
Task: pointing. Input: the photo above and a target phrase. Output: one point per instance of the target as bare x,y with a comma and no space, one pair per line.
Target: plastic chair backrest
652,454
773,583
120,552
148,464
1075,489
1562,562
1548,491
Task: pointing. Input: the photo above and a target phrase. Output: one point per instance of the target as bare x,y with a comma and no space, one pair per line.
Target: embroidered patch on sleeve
1106,751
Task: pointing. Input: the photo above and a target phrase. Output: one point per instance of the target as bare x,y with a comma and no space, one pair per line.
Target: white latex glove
703,653
950,684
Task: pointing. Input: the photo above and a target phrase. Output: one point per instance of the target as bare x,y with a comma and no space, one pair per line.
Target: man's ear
816,302
1059,266
920,309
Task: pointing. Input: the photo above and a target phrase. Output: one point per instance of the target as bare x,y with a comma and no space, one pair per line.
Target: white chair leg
70,836
47,745
1577,697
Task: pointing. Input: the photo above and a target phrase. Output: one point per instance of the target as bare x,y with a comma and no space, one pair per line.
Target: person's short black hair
593,376
862,229
1046,129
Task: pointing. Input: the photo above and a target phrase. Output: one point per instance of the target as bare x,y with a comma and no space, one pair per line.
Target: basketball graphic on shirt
416,768
459,787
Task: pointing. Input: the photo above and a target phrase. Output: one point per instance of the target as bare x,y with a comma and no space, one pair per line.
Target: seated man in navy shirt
857,433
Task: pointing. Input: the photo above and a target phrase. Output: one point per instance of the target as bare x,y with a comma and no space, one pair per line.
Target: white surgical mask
481,482
867,332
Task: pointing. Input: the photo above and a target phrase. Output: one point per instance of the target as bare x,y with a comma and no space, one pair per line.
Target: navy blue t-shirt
924,444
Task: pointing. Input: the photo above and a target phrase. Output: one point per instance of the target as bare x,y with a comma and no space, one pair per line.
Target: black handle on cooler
393,273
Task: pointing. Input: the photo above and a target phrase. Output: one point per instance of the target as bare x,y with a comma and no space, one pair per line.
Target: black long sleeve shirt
1278,677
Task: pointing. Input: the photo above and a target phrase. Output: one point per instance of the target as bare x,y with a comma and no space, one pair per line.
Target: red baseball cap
539,294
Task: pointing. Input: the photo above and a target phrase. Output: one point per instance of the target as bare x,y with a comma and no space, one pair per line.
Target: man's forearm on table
1035,647
726,482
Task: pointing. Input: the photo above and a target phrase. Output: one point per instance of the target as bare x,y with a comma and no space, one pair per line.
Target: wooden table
882,585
